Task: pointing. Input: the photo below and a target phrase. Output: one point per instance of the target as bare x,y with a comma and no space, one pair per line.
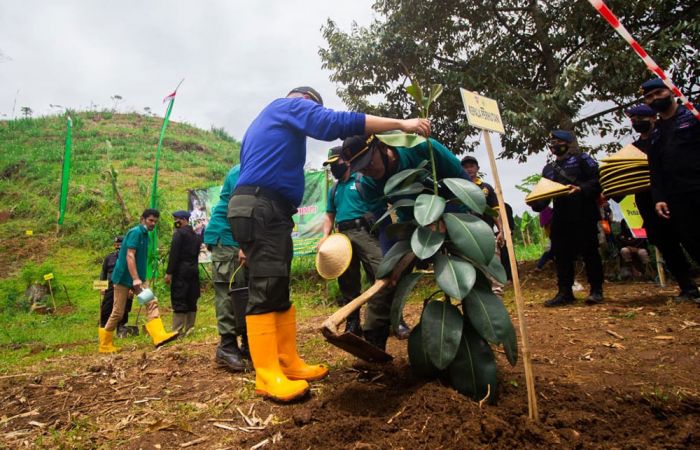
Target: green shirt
218,230
446,166
347,202
136,238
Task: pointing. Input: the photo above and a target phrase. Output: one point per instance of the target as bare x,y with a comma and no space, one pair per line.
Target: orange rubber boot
292,365
270,381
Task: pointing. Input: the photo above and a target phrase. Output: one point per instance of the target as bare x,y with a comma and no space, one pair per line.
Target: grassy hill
31,152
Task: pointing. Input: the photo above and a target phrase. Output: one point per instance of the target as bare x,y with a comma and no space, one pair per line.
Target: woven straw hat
546,188
334,256
627,153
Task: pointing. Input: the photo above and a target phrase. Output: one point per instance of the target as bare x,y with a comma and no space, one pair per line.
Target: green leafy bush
453,335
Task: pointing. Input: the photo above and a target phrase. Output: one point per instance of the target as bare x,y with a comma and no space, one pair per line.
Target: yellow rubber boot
106,341
292,365
157,331
270,381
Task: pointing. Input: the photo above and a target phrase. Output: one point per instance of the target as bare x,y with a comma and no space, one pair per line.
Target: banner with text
308,221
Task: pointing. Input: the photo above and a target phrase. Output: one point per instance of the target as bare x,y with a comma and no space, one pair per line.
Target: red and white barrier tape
608,15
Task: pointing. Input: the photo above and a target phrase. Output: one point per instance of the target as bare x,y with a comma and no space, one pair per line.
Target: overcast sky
235,57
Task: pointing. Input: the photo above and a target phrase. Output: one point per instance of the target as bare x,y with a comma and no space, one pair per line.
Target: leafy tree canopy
549,64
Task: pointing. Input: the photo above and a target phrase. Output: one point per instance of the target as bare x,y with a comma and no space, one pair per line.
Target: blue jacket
273,152
580,170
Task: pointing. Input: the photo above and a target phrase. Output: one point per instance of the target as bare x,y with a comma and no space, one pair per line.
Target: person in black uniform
575,217
674,162
659,231
108,294
182,273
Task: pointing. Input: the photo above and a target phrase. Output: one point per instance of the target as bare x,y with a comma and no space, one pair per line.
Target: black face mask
558,150
338,170
661,104
643,126
177,224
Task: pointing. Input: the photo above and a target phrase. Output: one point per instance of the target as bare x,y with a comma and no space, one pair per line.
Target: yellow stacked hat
625,172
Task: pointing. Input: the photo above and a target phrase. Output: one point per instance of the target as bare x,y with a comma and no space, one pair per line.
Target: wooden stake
660,267
52,297
520,305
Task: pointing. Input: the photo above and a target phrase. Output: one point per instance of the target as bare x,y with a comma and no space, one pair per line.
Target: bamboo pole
660,267
520,306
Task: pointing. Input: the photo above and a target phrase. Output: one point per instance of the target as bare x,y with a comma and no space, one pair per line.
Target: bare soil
623,374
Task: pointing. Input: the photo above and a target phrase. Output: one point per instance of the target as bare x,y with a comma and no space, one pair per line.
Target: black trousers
570,239
184,288
106,308
660,233
685,214
263,227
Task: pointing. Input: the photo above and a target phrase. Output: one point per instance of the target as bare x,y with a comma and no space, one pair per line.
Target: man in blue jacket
269,190
674,163
575,218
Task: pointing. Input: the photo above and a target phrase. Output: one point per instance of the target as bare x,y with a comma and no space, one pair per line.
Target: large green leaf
401,139
472,236
403,203
490,319
435,92
495,270
454,276
474,367
400,231
411,189
403,289
469,193
417,356
442,325
428,208
415,91
392,258
426,242
397,179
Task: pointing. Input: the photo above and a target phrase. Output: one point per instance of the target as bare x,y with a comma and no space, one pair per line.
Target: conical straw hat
622,170
628,173
626,191
627,153
334,256
545,187
622,165
626,178
548,196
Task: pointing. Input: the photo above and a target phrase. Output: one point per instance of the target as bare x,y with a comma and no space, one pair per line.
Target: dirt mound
618,375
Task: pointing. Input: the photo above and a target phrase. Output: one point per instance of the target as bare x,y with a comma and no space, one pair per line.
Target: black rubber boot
245,349
595,297
561,299
688,295
229,356
377,337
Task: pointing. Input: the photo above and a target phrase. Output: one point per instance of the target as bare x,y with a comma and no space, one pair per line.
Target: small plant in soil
458,322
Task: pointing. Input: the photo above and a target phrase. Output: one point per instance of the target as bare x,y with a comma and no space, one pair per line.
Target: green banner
152,269
65,173
308,221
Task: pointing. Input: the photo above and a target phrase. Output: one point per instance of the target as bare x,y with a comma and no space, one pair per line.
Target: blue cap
650,85
181,215
564,135
641,111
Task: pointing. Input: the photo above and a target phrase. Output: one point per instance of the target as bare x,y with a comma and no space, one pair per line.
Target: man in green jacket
128,274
